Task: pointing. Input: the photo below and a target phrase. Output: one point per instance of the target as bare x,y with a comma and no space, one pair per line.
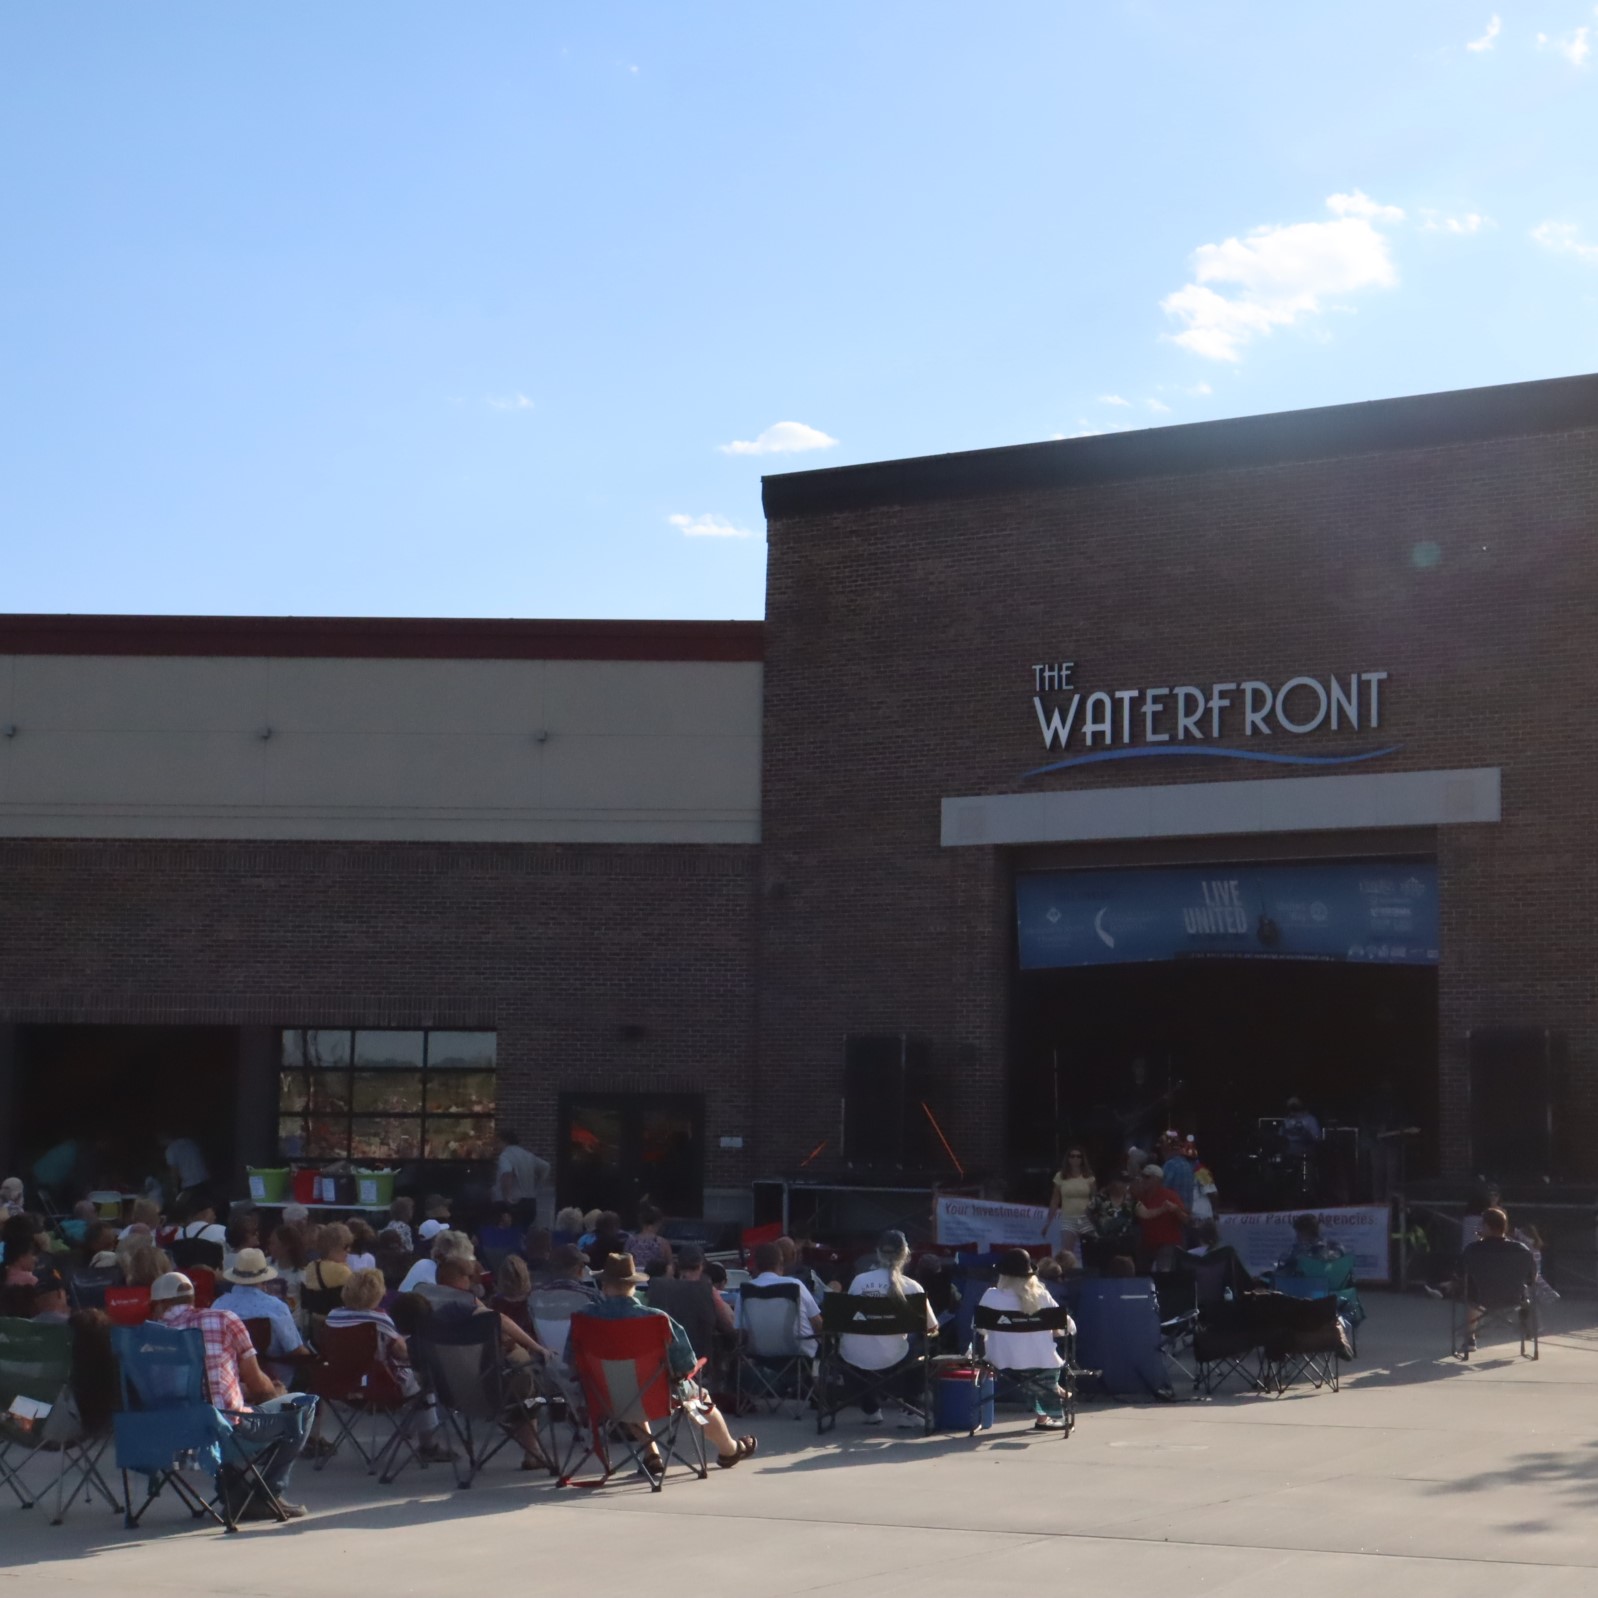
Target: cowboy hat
620,1268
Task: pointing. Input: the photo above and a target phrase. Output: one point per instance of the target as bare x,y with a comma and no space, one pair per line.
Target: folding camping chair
169,1427
87,1287
552,1313
776,1351
1314,1278
1299,1338
127,1306
1498,1281
973,1275
354,1385
624,1367
1049,1318
1225,1334
39,1414
460,1362
840,1384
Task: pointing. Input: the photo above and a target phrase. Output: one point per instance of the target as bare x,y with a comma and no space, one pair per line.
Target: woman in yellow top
1073,1190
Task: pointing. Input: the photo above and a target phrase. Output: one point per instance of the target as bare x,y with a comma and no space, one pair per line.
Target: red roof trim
382,638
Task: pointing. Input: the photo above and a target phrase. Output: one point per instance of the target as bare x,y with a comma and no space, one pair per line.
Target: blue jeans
272,1435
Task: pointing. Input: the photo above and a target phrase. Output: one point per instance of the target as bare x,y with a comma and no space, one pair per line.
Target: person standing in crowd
1115,1228
1301,1128
1177,1170
185,1164
886,1279
1071,1196
399,1220
518,1175
1204,1189
1162,1221
275,1429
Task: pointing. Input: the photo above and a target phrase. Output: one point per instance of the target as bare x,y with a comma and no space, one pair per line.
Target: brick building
1253,750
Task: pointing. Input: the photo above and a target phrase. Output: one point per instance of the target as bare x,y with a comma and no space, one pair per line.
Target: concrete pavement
1422,1476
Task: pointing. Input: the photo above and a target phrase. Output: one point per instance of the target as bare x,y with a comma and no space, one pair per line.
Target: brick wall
900,642
557,948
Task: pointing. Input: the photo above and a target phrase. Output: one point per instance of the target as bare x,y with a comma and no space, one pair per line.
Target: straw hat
250,1268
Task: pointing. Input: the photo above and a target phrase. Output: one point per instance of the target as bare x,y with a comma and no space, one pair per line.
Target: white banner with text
1261,1239
981,1223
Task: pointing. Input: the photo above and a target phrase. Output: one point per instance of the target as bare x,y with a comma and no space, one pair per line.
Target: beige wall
173,747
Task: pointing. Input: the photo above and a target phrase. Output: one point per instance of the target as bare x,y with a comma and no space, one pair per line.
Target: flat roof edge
1419,421
382,638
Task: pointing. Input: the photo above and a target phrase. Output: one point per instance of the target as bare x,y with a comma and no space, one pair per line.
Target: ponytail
893,1251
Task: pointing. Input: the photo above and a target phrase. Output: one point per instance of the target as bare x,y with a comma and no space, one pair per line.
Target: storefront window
375,1095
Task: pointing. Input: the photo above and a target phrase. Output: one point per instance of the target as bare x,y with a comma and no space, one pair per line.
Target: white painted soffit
1206,809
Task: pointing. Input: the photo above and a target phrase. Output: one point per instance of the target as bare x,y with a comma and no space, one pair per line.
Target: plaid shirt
226,1343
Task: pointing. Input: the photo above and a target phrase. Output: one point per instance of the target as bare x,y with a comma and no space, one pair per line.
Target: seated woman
1030,1359
512,1285
362,1293
886,1279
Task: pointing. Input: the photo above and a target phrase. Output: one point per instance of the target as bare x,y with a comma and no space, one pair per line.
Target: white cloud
1112,399
708,526
1574,47
1159,406
781,438
1199,389
1565,238
1489,38
1359,203
1281,274
508,402
1470,222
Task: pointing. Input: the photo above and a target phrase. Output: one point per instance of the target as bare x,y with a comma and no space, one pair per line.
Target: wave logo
1206,751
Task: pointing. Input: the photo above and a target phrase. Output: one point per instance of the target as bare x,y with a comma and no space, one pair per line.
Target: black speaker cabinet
885,1079
1516,1084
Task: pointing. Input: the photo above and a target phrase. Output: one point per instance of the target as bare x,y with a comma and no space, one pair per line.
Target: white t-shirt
525,1171
421,1271
878,1353
183,1155
361,1262
1019,1351
808,1311
205,1232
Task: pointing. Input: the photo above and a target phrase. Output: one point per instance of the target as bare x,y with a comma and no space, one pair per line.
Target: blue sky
414,309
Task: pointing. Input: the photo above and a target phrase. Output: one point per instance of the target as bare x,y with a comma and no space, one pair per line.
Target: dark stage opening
1225,1043
114,1089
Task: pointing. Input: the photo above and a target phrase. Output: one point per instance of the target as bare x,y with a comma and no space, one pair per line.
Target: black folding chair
1226,1330
1052,1318
840,1384
86,1286
460,1361
1496,1281
776,1353
1301,1338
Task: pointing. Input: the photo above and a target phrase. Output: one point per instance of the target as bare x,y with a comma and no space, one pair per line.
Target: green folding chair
39,1415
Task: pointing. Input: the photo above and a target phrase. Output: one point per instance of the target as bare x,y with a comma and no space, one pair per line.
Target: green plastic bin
374,1189
268,1186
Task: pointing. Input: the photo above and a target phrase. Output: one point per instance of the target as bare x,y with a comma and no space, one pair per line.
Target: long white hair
893,1253
1030,1293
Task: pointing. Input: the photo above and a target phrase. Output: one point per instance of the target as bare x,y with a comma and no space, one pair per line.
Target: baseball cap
174,1284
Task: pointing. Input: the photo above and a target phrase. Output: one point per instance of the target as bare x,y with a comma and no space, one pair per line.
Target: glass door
618,1148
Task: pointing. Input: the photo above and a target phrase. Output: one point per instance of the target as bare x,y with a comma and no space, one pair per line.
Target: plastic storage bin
268,1186
375,1189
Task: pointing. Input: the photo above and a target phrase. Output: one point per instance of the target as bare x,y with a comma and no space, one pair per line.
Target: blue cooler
962,1399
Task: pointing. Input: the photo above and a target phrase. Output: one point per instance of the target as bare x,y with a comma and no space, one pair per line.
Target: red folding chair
127,1306
354,1384
624,1369
204,1279
752,1236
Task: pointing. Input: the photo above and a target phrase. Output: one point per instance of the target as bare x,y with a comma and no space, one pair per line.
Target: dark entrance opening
618,1148
114,1089
1225,1043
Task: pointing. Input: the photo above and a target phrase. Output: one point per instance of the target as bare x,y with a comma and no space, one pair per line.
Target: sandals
744,1448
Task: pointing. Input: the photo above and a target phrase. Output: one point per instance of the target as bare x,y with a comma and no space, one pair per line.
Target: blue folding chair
168,1427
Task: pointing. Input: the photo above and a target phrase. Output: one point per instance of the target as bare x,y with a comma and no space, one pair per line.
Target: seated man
693,1303
1495,1263
619,1283
248,1299
767,1261
275,1430
50,1307
199,1239
568,1267
1309,1244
